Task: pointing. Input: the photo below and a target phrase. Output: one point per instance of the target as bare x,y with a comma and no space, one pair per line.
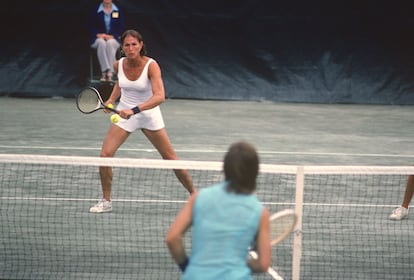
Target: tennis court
354,209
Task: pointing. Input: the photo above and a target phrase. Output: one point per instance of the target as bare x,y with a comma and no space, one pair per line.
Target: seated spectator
106,24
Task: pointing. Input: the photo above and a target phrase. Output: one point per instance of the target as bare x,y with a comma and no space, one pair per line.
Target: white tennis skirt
149,119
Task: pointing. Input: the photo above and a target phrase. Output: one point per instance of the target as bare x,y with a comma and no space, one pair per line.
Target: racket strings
88,101
281,227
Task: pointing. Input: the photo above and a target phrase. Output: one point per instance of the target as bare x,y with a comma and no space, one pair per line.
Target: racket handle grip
113,110
253,254
270,270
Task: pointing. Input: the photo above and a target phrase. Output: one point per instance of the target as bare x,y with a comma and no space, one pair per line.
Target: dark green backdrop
284,51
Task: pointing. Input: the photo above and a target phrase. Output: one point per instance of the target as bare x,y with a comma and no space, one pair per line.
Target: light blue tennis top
224,226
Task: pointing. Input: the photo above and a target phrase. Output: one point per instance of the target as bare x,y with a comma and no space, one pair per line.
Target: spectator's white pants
106,52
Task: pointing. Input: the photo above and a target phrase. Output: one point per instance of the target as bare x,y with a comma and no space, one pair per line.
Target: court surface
283,133
286,134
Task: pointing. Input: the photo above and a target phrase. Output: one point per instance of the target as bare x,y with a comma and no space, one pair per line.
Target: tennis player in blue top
226,219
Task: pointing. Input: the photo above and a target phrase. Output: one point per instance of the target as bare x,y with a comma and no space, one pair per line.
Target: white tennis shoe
102,206
399,213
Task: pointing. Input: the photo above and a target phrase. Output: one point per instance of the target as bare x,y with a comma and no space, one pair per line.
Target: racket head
89,100
282,224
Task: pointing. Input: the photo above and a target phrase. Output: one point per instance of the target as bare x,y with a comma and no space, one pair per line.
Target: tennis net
47,232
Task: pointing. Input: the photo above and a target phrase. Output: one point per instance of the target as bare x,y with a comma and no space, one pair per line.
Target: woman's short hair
241,167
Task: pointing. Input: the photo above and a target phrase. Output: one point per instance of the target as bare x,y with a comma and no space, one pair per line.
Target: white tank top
135,92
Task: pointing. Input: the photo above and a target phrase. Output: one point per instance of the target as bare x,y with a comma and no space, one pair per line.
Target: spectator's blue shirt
107,17
100,22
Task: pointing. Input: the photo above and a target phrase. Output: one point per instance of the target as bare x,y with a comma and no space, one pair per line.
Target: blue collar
101,8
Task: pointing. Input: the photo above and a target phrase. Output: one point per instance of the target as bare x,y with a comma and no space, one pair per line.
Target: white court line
209,151
88,199
184,201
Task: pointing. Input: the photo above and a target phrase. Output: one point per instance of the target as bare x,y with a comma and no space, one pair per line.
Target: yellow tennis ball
110,105
115,118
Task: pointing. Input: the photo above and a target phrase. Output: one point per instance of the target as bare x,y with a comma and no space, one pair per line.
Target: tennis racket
89,100
282,224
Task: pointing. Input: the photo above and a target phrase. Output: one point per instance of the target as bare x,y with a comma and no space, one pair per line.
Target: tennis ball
115,118
110,105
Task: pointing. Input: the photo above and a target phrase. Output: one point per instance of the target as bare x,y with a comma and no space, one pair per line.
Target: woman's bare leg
114,138
409,191
161,142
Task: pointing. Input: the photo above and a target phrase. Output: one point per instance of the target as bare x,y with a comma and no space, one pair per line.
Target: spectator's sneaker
109,77
101,207
399,213
103,77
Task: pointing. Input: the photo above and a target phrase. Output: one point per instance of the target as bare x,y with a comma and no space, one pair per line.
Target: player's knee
105,153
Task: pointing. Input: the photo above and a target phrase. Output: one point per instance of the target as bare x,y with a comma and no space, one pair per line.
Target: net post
297,239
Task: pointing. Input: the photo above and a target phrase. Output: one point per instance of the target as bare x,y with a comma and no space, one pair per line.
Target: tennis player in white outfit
141,90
